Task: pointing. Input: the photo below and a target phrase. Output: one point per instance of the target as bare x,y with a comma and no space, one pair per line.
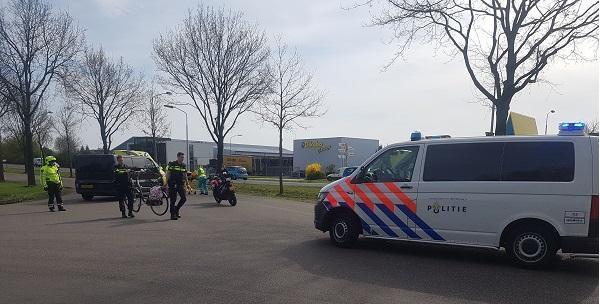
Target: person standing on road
123,187
202,182
177,179
52,183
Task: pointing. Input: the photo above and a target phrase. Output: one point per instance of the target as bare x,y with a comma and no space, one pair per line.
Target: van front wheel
343,231
532,247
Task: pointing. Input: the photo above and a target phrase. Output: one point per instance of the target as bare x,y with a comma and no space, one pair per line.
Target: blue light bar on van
416,136
577,128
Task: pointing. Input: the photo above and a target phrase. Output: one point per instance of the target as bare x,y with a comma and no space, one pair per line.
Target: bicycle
159,208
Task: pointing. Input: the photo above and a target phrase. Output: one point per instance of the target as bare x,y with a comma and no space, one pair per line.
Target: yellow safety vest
49,173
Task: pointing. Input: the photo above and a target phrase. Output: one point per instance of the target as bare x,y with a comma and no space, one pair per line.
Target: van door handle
406,187
350,193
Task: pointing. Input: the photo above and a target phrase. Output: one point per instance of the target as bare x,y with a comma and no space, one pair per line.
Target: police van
531,195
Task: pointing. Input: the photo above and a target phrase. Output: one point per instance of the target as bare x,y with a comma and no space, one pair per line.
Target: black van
94,173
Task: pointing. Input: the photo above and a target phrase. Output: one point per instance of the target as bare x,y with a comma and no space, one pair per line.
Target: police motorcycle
223,189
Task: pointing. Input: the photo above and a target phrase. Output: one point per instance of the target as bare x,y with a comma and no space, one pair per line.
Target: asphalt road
262,250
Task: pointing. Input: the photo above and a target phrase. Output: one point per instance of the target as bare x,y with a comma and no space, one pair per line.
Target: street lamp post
154,146
237,135
187,145
547,114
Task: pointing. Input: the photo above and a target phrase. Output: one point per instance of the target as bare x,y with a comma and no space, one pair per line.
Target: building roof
237,149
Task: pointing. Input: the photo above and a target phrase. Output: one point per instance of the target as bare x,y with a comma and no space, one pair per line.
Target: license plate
87,186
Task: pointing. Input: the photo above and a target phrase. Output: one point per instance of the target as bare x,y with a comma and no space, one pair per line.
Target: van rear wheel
343,231
532,246
87,197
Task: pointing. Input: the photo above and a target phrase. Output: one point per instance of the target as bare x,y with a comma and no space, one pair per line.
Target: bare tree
153,119
4,109
591,127
291,97
42,127
219,61
107,91
505,45
66,126
36,45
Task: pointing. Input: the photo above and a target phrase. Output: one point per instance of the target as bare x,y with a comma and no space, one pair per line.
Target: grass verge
302,193
321,181
13,192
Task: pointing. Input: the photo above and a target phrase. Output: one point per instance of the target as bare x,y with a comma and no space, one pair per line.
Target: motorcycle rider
123,186
176,179
52,183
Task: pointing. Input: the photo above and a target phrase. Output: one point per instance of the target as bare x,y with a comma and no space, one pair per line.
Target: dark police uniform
123,187
177,179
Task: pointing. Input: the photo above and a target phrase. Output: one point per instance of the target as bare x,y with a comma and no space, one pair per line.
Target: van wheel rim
530,247
340,229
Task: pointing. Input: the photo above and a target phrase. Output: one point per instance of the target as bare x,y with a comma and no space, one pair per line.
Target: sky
425,91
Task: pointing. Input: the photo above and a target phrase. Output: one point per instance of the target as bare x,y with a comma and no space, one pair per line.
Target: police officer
123,187
52,183
177,178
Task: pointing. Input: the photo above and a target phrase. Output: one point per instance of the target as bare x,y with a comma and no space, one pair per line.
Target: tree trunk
1,161
501,118
220,153
155,154
29,169
280,161
69,157
104,139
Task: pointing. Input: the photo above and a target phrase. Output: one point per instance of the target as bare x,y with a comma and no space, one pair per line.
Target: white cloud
114,8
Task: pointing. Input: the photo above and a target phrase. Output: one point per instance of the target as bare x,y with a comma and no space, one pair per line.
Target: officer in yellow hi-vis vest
52,183
177,178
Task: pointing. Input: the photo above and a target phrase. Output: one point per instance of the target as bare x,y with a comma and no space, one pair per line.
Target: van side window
394,165
538,161
463,162
138,163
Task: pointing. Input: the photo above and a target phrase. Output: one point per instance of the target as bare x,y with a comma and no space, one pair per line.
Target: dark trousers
122,195
174,190
54,192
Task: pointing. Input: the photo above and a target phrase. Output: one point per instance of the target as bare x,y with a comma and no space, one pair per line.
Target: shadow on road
137,221
211,205
27,213
473,274
88,221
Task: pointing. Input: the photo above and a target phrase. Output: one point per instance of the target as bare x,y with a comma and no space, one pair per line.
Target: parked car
237,172
95,173
38,162
341,172
298,174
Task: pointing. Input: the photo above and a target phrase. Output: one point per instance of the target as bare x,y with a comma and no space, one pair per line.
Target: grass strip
301,193
13,192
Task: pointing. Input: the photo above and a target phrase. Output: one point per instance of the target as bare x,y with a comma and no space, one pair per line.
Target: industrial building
258,159
338,151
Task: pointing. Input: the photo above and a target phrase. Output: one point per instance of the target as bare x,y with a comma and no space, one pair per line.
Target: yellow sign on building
521,125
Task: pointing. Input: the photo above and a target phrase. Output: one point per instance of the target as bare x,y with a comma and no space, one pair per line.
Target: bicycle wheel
161,209
137,204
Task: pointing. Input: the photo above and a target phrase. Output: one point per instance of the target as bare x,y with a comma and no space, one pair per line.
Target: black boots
130,214
51,209
123,214
61,208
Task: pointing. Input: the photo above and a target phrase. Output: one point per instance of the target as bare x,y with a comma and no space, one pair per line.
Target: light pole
237,135
187,145
547,114
154,147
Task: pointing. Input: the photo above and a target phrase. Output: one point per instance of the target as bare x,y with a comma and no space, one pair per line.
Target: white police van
531,195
